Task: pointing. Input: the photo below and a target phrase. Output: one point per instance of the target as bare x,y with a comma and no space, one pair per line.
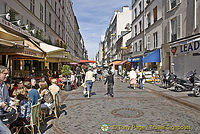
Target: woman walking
133,77
89,78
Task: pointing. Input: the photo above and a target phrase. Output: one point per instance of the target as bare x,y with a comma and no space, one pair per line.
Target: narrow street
152,110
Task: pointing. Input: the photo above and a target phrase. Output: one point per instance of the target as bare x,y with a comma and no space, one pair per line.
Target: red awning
87,61
121,63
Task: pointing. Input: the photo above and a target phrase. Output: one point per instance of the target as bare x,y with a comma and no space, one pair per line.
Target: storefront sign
14,27
183,48
135,59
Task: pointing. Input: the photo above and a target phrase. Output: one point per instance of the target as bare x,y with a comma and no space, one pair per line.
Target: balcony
174,37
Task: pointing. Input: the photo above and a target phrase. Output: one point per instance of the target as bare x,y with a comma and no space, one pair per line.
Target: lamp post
7,15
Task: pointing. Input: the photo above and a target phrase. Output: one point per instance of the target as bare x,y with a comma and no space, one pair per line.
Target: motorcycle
196,89
169,80
188,83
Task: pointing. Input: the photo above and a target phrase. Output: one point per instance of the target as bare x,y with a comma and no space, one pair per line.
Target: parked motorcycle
169,80
186,84
196,89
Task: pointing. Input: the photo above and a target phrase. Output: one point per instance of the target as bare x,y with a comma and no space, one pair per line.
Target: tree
65,70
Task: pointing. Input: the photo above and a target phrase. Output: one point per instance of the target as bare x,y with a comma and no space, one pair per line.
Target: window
41,12
149,19
135,30
140,7
136,47
140,43
32,6
135,12
173,3
59,29
140,23
59,13
155,14
155,39
55,25
50,19
55,6
174,29
63,19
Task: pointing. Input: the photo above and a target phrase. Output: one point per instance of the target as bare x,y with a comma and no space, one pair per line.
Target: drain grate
127,113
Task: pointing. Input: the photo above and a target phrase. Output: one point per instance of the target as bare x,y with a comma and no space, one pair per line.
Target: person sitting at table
25,106
54,89
43,84
19,90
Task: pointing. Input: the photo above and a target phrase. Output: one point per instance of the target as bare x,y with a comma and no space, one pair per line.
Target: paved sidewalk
185,95
129,112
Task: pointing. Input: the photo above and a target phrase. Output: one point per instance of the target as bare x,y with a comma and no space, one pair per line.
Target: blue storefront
136,61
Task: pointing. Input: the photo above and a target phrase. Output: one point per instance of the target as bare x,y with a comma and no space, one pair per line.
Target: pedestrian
133,77
141,77
4,98
110,84
89,78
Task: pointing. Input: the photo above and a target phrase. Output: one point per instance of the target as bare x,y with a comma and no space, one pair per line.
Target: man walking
110,81
133,77
4,97
89,78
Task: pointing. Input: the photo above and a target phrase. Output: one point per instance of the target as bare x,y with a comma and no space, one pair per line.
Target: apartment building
53,21
115,30
181,36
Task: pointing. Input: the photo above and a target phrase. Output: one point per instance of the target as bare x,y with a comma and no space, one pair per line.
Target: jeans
141,84
4,129
89,85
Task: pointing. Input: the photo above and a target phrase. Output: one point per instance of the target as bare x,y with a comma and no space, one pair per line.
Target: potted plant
66,70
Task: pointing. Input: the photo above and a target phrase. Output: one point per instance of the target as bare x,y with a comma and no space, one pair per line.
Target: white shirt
133,74
89,75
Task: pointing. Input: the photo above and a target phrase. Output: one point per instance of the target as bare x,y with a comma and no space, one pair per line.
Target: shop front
24,59
152,60
185,56
137,62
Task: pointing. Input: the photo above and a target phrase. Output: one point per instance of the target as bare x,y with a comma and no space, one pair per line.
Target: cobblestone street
130,111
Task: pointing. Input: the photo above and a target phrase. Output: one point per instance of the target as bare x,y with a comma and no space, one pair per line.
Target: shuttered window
155,14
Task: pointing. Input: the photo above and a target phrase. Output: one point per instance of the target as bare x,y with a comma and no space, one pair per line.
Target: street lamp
7,15
32,31
18,22
25,26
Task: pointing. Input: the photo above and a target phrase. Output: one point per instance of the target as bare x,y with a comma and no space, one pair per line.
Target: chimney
125,8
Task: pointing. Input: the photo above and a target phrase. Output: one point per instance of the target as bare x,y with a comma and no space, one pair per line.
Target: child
110,81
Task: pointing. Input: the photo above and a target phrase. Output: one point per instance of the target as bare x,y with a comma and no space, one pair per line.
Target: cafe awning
87,61
121,63
114,63
50,48
9,36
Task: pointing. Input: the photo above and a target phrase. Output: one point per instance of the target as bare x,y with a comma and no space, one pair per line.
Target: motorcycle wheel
196,92
178,89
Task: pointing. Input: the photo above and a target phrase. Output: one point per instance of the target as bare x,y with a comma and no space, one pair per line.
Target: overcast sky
93,18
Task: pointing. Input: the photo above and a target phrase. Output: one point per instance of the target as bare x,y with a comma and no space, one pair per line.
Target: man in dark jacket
110,84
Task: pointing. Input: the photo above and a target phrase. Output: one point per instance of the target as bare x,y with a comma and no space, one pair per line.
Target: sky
93,18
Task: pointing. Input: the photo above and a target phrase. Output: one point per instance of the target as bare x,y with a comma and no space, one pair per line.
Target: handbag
93,79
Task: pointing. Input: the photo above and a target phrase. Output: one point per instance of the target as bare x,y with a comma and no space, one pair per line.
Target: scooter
169,80
196,89
186,84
